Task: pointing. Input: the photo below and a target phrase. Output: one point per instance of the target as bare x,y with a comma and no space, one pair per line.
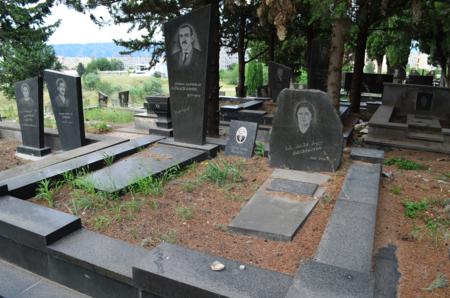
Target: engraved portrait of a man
61,99
305,116
186,53
26,100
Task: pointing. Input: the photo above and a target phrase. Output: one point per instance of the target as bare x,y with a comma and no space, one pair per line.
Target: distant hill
97,50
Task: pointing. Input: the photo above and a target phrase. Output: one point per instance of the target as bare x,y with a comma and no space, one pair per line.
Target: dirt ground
157,218
422,254
8,158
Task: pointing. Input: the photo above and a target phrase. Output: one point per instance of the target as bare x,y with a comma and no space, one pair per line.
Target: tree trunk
213,73
444,73
448,74
336,58
271,43
379,64
241,57
309,39
360,51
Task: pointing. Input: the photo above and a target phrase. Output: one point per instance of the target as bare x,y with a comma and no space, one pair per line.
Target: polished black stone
187,40
124,97
318,64
32,224
241,138
279,78
306,132
67,104
3,189
102,100
371,82
174,271
291,186
30,107
420,80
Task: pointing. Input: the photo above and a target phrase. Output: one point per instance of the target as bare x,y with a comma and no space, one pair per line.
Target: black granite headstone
424,101
420,80
306,132
241,138
124,97
279,78
30,107
67,104
187,40
370,83
102,100
318,64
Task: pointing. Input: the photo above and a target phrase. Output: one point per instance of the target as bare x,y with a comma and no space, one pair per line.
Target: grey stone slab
271,217
174,271
410,144
386,272
34,225
301,176
291,186
211,149
19,283
362,183
306,133
348,238
241,138
367,155
157,159
317,280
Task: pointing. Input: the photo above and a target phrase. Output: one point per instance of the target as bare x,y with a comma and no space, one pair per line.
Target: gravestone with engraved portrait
241,138
279,78
124,97
67,104
318,64
306,133
187,40
102,100
30,107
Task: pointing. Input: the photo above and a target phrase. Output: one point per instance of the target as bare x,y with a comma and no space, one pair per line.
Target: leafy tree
81,69
376,47
116,64
255,76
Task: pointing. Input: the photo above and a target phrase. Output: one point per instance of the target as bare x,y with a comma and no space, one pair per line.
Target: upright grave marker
30,106
102,100
124,97
241,138
67,104
187,40
279,78
306,132
318,64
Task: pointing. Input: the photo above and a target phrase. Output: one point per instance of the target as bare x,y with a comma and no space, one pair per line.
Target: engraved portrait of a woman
305,116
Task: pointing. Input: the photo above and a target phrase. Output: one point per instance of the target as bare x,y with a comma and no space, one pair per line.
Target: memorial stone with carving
279,78
306,133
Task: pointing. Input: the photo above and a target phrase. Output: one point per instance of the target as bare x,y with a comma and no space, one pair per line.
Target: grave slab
307,177
271,217
386,272
291,186
34,225
348,239
318,280
362,183
367,155
174,271
211,149
156,160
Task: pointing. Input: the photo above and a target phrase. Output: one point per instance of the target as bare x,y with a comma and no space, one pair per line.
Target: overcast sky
76,27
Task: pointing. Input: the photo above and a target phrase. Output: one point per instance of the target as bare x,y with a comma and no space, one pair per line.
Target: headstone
263,91
160,105
102,100
187,40
306,132
241,138
67,104
236,89
279,78
318,64
371,82
124,97
420,80
30,107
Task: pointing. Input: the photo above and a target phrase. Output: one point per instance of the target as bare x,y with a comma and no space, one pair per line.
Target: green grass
101,222
109,115
184,213
170,237
404,164
222,172
396,190
46,190
413,209
259,148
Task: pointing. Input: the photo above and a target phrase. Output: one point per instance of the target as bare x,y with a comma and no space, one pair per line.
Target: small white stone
241,267
217,266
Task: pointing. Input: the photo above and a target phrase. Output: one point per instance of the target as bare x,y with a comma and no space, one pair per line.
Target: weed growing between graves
46,191
396,190
109,115
259,148
404,164
184,213
222,172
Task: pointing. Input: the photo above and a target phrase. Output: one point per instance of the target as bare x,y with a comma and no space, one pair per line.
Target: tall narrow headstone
30,107
124,97
318,64
306,132
67,104
102,100
187,40
279,78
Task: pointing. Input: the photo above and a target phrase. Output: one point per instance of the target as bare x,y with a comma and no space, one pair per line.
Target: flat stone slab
154,161
104,255
34,225
177,272
271,217
386,272
348,239
18,283
291,186
409,144
318,280
361,183
308,177
3,189
212,149
367,155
